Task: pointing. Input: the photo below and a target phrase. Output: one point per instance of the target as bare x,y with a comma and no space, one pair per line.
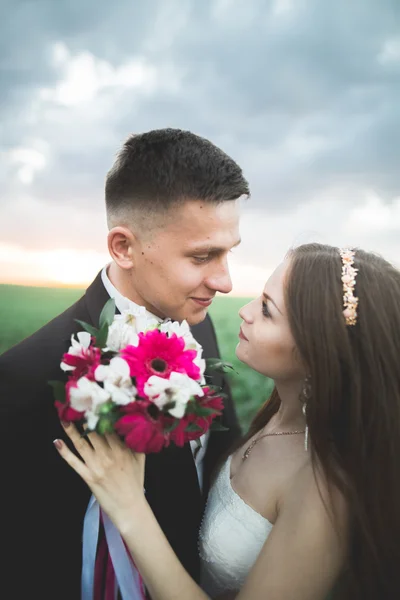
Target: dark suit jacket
44,501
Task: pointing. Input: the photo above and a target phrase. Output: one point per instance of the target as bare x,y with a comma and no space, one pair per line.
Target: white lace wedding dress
231,537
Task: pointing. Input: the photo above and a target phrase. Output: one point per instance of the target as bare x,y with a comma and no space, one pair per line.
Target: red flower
66,412
212,400
141,432
64,409
180,436
85,364
158,354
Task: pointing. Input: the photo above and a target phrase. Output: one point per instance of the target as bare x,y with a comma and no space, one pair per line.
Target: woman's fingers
141,462
81,445
100,454
73,461
114,441
99,443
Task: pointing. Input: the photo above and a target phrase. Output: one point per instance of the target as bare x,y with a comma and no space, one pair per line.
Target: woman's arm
300,560
305,552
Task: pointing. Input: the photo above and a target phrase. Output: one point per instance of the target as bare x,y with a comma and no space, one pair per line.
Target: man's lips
203,301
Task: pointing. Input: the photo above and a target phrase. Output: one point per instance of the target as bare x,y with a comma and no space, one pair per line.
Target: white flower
77,348
201,363
125,328
116,372
121,395
183,330
117,380
179,388
87,397
91,419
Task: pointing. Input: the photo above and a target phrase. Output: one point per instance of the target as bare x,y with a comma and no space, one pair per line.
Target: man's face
179,268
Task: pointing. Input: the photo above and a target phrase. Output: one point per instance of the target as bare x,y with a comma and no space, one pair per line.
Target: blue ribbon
127,576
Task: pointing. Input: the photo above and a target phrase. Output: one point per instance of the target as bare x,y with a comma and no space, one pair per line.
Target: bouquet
142,379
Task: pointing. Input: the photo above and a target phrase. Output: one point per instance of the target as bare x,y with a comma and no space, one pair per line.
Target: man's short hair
158,169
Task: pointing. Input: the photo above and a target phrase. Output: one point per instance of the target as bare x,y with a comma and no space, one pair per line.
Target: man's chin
198,317
194,317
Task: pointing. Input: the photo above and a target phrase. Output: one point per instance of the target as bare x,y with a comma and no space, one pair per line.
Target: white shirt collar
121,302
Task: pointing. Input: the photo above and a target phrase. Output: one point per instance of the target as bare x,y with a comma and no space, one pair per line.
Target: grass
23,310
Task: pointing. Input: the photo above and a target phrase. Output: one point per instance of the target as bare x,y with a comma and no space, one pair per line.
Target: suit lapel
95,298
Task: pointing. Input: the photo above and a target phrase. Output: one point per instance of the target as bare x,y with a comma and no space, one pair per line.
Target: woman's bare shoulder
311,486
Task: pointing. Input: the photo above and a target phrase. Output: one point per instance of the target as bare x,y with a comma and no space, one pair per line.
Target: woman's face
266,343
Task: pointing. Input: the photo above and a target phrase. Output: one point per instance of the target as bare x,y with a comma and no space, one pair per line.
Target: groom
172,212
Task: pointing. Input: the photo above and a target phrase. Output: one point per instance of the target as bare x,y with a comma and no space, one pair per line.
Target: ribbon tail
91,525
128,577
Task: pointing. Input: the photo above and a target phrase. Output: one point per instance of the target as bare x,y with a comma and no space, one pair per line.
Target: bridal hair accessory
305,395
349,272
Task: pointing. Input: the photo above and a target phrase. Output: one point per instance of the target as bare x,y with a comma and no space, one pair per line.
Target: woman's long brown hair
353,415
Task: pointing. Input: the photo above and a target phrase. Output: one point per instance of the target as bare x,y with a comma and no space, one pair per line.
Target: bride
309,501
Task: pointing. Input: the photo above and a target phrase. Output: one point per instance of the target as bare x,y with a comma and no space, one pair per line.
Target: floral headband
349,272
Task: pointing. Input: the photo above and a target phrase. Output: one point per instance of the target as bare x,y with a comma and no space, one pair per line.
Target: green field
23,310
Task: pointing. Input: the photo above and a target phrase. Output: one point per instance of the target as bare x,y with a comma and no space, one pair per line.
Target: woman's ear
121,243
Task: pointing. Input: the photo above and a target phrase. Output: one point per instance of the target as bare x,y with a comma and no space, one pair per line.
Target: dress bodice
231,537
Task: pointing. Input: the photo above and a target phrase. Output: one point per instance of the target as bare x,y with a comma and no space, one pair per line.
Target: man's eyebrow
270,299
208,249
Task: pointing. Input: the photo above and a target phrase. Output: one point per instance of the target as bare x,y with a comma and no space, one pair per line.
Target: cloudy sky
304,94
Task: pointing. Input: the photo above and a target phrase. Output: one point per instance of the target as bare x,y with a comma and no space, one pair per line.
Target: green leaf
108,417
203,411
106,408
173,426
168,406
107,314
89,328
105,425
192,427
219,366
101,338
58,390
217,426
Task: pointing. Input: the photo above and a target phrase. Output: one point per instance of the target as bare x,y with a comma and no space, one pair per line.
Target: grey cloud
250,81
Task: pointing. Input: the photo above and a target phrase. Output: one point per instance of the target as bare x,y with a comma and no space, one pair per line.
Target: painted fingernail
58,444
65,424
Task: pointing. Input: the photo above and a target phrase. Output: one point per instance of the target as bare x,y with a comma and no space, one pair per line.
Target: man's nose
220,279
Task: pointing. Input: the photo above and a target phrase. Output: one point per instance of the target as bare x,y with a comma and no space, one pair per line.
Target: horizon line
83,287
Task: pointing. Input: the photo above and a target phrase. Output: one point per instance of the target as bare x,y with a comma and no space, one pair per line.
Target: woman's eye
265,310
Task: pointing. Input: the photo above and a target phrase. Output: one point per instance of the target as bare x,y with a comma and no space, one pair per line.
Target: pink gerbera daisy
158,354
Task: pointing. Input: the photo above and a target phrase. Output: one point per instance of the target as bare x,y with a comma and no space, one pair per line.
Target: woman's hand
111,470
116,475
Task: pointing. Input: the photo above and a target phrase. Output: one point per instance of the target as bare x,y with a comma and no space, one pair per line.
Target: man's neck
120,283
118,289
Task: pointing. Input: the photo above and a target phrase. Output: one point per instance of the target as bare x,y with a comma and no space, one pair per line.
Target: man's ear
121,245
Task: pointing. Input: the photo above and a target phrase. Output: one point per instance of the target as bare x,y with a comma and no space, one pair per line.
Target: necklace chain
246,453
